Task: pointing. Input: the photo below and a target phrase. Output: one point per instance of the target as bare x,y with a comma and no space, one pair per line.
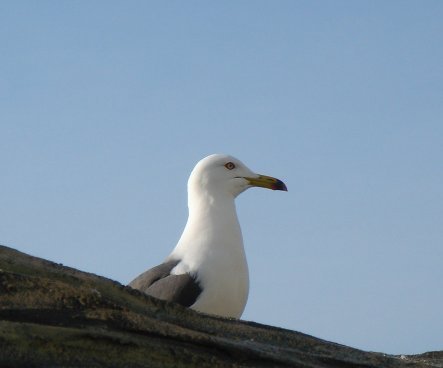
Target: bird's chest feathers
217,246
211,243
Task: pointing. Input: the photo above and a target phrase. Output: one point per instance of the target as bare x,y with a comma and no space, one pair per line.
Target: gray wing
159,283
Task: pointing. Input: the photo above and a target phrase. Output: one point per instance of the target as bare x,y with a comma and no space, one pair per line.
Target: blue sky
106,106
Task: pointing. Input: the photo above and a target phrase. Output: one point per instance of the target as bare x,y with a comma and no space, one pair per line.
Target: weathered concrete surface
55,316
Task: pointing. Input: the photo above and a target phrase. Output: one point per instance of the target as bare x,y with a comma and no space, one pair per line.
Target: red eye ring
230,165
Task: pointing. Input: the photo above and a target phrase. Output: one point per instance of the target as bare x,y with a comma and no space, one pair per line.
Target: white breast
225,283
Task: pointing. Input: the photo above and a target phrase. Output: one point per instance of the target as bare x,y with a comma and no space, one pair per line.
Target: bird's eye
230,165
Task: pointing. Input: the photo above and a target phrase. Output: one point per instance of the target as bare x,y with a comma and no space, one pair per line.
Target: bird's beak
266,182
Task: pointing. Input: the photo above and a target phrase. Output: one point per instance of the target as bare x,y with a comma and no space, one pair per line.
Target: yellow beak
267,182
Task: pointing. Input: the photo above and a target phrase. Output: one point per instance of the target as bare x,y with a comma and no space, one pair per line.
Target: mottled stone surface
55,316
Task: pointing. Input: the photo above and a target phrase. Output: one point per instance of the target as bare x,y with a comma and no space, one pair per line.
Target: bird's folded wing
159,283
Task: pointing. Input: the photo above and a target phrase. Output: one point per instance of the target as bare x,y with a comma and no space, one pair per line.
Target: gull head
224,175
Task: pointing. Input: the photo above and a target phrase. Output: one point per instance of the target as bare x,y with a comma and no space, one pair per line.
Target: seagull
207,270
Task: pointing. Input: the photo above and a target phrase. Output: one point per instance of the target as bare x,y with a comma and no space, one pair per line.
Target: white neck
211,218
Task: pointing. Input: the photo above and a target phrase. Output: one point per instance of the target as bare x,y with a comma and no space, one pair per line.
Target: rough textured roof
51,315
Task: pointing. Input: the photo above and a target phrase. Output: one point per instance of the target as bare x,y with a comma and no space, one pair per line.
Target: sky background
106,106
